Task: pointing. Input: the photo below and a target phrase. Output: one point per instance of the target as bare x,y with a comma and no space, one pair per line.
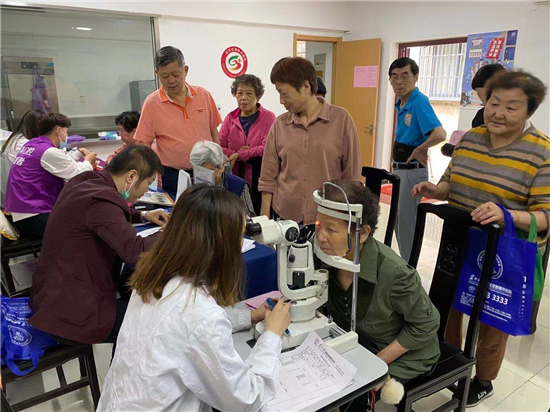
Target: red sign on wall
234,62
495,48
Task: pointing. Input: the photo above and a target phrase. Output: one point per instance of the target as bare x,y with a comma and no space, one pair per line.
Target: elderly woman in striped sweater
506,162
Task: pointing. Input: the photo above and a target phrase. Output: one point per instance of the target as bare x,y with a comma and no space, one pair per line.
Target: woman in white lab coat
175,350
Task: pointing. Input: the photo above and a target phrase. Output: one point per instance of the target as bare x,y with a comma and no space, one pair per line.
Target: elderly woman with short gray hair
210,156
243,134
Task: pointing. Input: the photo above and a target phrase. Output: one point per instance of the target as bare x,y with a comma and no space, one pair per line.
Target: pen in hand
272,305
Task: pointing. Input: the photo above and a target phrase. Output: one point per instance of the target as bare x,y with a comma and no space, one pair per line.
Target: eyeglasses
404,77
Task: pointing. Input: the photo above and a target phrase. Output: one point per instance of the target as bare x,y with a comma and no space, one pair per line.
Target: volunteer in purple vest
244,133
39,172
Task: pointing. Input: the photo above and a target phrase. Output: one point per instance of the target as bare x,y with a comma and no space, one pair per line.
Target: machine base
299,331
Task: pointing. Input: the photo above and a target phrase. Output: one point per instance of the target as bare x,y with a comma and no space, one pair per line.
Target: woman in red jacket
244,132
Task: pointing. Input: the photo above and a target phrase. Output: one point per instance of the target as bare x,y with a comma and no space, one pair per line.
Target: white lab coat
177,354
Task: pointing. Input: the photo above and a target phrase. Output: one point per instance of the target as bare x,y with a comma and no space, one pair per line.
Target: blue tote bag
509,299
20,341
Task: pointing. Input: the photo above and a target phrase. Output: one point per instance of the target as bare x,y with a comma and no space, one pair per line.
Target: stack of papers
309,374
248,244
149,232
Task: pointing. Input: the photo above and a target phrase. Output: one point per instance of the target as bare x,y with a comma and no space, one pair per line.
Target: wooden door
356,88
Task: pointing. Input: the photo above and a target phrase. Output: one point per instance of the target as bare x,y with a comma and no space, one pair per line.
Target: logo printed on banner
234,62
19,336
497,270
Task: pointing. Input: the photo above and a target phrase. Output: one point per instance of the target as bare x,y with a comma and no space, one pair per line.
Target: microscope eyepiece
253,229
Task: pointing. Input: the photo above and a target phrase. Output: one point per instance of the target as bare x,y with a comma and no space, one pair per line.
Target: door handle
369,129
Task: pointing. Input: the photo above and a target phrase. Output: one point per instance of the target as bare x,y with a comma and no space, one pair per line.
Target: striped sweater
516,176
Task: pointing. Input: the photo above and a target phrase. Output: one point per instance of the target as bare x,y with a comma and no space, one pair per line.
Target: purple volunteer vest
32,189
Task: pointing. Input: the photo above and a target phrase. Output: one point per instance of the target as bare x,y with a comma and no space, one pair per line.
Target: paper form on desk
312,371
149,232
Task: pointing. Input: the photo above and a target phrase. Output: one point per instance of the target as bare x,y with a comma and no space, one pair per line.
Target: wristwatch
143,213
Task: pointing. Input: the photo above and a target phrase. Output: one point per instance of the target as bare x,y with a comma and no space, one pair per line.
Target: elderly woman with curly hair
244,132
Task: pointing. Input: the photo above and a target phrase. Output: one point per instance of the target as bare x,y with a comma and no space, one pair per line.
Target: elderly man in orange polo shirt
177,115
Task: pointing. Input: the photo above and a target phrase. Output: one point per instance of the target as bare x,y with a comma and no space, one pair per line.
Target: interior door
357,75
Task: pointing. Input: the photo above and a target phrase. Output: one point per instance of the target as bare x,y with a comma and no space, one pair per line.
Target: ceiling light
84,28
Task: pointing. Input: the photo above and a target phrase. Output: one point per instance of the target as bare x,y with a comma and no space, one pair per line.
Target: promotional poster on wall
482,49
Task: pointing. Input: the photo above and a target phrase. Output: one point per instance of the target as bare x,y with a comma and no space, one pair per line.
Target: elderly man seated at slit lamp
211,166
394,317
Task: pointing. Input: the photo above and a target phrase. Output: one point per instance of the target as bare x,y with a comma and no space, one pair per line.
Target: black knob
292,258
292,234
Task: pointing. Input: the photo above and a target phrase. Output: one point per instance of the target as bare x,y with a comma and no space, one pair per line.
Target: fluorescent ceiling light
84,28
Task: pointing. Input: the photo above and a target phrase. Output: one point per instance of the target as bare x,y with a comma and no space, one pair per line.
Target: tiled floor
522,385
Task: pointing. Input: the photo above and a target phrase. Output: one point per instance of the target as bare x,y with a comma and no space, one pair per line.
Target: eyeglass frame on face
404,77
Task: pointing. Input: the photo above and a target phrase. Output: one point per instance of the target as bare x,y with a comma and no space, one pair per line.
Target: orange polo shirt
175,128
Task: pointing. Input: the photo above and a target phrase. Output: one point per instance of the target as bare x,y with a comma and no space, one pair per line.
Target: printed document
308,374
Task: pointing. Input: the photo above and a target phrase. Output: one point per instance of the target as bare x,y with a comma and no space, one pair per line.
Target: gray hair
207,152
167,55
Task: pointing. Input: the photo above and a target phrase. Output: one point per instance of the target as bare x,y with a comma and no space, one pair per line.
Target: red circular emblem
234,62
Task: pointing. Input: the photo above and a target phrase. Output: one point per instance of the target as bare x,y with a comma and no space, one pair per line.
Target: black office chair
12,249
56,357
374,179
454,365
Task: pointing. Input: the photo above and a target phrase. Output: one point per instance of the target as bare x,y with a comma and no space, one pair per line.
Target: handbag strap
509,225
533,228
15,369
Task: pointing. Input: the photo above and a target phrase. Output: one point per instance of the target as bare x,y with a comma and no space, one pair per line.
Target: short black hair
485,73
128,120
167,55
404,62
321,88
248,80
47,122
136,157
532,86
357,193
295,71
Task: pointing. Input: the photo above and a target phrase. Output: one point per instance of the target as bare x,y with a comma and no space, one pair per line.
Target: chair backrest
454,238
373,180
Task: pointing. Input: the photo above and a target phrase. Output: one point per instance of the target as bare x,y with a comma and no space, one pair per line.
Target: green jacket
391,304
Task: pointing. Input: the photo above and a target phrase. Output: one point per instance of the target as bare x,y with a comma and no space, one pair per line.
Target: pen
272,305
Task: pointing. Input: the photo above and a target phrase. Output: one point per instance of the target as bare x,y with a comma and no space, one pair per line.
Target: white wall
325,15
264,30
202,44
400,22
313,48
93,69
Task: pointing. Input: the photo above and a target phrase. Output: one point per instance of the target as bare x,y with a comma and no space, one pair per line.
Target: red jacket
88,234
232,138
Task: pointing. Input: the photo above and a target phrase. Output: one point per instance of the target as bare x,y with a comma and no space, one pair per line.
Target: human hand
233,158
259,314
426,189
158,217
488,213
382,384
421,155
278,319
90,157
84,151
245,148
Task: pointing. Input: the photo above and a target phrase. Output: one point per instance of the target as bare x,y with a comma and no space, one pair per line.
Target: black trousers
31,226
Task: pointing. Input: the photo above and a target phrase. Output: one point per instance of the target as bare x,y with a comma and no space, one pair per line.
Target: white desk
371,370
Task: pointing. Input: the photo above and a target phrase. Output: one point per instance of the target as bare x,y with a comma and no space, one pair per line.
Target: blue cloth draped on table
261,268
